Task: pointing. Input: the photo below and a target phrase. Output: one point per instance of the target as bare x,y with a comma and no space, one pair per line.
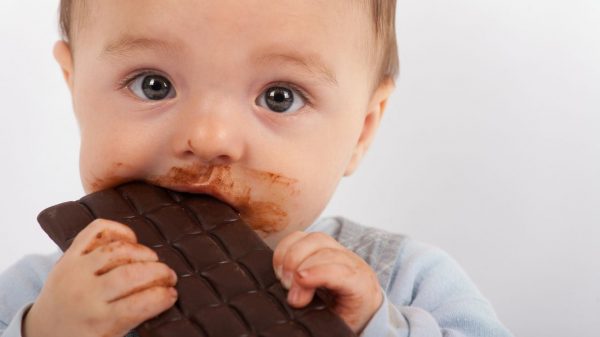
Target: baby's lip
204,189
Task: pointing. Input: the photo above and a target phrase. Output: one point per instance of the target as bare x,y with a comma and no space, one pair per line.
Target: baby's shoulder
375,244
378,247
395,258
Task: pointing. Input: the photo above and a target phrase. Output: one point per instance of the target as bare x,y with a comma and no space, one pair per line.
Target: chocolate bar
226,283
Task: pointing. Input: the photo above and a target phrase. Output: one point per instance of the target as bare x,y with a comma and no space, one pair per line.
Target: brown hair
383,13
65,14
70,15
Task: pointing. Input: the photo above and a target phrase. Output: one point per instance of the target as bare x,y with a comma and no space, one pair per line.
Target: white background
490,148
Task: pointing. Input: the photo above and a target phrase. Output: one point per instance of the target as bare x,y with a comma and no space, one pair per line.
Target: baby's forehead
295,21
307,28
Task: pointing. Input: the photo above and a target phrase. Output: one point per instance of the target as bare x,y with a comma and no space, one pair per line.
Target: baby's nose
212,133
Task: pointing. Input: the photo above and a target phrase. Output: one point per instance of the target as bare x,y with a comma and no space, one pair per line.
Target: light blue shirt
426,293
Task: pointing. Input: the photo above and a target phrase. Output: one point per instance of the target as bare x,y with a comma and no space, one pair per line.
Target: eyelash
125,82
303,94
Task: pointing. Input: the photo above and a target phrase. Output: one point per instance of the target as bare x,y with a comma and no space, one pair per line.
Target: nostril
221,160
213,146
207,157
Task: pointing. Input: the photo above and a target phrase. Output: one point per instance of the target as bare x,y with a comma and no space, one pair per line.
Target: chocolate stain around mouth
265,215
232,185
108,181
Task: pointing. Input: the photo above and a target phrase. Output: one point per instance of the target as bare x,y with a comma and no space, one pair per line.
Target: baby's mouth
257,195
211,180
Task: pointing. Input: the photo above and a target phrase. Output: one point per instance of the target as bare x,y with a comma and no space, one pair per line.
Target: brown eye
152,87
281,100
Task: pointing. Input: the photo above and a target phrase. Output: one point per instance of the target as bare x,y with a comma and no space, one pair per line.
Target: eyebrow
128,44
312,63
309,62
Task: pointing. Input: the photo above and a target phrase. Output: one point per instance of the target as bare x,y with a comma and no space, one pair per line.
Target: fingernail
286,280
293,295
278,270
173,292
303,273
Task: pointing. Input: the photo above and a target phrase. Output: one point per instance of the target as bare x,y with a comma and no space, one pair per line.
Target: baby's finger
340,278
336,269
117,253
141,306
356,291
300,250
282,249
100,232
299,297
129,279
330,255
301,294
337,278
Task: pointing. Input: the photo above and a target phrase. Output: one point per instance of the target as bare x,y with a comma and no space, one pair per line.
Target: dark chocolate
226,283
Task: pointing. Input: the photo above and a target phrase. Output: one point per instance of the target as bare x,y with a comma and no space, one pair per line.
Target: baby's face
263,104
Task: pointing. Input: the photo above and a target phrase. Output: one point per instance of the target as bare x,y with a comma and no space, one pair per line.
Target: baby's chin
272,239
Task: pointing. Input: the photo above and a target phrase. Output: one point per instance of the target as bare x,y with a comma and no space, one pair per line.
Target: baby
265,105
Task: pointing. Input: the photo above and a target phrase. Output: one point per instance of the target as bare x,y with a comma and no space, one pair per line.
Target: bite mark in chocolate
245,189
235,186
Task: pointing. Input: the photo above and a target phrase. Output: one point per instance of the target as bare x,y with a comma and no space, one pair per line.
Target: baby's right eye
152,87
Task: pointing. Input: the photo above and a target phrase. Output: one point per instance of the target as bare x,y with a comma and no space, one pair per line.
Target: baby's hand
103,286
306,261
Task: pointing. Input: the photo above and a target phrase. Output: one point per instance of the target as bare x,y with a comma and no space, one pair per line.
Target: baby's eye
281,99
152,87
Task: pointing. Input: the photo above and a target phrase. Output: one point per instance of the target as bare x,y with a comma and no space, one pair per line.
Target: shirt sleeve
430,296
13,329
20,284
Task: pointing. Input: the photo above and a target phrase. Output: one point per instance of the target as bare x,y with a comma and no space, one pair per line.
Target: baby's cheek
98,174
109,161
312,198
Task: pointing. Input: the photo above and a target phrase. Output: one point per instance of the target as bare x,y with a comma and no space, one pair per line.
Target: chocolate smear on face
106,181
257,195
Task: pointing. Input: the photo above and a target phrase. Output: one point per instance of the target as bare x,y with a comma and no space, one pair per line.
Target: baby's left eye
281,99
152,87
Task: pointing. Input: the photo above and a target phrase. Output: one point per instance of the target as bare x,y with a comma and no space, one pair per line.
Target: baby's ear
62,54
374,114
